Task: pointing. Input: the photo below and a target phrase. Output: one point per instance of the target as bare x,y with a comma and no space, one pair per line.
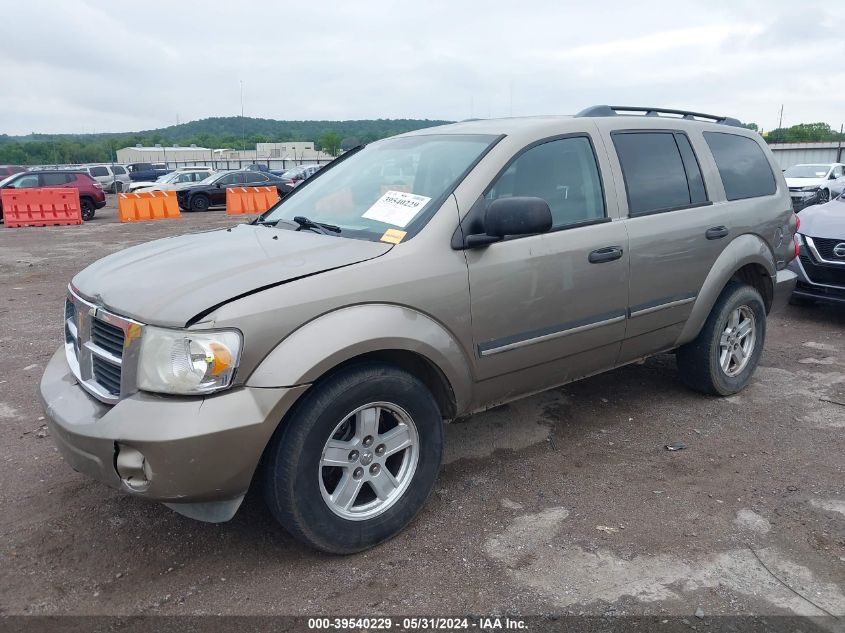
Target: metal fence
789,154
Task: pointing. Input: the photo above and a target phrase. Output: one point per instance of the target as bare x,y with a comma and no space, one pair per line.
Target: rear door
676,232
549,308
54,180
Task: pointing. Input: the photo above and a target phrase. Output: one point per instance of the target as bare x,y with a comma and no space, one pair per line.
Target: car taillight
797,222
796,251
97,185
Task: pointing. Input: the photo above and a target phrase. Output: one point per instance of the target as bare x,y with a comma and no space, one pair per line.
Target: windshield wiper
320,227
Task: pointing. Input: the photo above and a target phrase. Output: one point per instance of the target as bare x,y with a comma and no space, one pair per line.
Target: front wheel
724,355
356,460
824,196
200,203
87,209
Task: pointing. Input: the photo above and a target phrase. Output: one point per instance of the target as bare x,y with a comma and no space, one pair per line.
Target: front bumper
803,199
817,280
784,284
197,449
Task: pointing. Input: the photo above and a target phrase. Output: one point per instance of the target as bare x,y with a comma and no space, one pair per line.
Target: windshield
167,177
6,180
392,185
807,171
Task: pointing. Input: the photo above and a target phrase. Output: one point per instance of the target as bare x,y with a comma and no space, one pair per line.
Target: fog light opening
132,468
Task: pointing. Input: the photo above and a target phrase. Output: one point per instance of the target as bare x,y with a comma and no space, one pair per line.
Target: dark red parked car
91,194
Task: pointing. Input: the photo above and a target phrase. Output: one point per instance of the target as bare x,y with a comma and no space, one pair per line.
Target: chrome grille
107,336
106,374
101,349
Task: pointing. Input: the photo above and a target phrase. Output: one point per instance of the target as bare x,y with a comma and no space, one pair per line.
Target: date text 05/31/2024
417,623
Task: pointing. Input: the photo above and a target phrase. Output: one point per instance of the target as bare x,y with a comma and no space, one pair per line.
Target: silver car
319,349
821,265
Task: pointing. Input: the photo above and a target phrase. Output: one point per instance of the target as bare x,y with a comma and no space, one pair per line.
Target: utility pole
780,118
839,148
243,123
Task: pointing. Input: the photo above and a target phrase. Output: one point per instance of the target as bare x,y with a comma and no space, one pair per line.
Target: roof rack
606,110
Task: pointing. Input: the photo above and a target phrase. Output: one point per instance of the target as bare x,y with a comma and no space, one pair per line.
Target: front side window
655,168
743,166
562,172
359,194
26,182
228,179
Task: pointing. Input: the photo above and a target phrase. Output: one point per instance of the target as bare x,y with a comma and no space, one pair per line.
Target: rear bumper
784,284
195,449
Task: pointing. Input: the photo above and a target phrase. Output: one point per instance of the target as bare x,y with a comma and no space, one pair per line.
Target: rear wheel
200,202
724,355
356,460
87,208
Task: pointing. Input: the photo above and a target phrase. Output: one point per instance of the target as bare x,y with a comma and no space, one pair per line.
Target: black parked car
200,196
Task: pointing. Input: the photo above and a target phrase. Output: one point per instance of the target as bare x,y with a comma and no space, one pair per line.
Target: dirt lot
566,502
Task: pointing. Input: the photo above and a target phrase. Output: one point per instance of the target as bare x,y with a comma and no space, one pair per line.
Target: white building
162,154
288,149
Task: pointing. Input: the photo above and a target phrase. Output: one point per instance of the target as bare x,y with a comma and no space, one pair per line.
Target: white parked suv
814,183
169,181
113,178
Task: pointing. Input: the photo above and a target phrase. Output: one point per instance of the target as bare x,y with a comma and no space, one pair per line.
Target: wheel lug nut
368,440
374,469
353,456
380,449
358,473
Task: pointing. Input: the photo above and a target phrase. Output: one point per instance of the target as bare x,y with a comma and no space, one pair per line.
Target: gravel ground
566,502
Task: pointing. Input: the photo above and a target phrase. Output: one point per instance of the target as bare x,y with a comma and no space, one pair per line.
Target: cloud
102,66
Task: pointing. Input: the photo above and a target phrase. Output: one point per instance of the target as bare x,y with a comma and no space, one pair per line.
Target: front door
550,308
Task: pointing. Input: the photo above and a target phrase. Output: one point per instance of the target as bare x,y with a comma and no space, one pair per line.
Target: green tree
330,142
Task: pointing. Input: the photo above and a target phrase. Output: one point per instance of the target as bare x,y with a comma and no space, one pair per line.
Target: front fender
745,249
341,335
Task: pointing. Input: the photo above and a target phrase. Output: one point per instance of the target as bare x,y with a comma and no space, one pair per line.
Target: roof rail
606,110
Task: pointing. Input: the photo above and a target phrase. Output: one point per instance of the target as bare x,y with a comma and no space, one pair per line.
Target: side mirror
513,216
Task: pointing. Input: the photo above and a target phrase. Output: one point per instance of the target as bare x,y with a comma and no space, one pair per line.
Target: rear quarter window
742,165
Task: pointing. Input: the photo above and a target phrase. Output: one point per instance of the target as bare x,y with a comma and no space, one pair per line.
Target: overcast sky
86,66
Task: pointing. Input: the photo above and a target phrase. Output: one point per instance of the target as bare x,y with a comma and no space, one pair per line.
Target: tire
301,490
87,208
200,202
700,362
824,196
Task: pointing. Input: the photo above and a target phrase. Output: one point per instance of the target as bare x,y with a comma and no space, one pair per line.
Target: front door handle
607,254
717,232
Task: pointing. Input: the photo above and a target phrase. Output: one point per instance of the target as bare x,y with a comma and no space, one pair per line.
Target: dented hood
172,280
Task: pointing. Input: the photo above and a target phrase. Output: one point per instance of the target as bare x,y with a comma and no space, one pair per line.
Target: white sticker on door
396,207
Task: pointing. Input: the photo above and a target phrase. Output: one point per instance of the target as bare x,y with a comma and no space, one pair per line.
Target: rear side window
98,171
118,170
660,170
51,180
742,165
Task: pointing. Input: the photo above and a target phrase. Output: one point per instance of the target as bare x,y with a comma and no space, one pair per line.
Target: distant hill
216,132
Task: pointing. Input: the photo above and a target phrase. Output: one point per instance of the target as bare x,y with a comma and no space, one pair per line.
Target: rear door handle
607,254
717,232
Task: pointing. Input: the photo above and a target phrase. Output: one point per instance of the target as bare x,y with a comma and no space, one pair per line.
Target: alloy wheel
369,461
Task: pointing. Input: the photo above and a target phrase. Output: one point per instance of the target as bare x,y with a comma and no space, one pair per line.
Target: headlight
188,362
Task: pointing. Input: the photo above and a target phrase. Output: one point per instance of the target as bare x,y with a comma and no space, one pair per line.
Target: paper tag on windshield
393,236
396,207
